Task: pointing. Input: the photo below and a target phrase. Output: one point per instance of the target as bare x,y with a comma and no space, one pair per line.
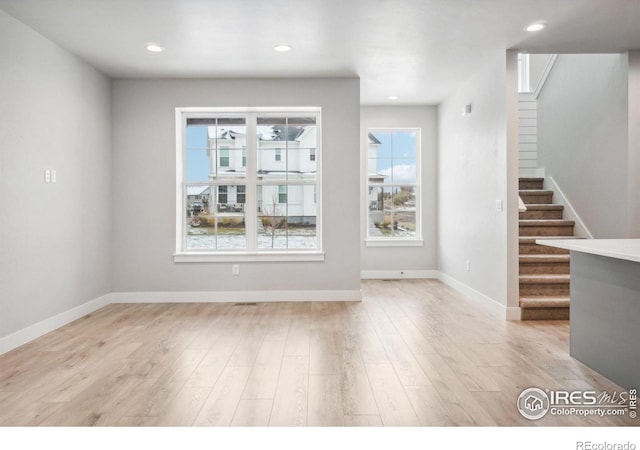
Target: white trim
494,307
238,296
514,313
580,229
390,242
398,274
247,257
545,75
244,109
45,326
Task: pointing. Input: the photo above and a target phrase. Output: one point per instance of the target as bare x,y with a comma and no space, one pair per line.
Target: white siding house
285,153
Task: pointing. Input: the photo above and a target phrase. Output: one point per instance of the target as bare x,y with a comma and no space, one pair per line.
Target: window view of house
392,184
283,212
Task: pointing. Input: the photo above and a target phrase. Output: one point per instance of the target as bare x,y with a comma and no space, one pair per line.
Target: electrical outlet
235,269
499,205
468,266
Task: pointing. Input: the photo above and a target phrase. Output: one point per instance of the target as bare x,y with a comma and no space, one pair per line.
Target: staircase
544,271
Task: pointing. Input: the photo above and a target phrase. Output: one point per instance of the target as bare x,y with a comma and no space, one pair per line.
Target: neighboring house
198,198
285,153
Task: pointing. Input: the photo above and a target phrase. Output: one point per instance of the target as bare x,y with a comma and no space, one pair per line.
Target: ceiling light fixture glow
154,48
282,48
393,97
536,26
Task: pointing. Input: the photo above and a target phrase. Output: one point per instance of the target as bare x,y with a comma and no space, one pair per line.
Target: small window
278,154
524,81
224,157
223,195
312,154
282,194
241,194
393,185
244,156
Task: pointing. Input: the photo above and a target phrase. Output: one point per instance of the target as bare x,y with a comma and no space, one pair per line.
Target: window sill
394,243
197,257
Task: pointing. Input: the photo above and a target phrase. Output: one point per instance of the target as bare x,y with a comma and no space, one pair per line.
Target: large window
393,186
247,185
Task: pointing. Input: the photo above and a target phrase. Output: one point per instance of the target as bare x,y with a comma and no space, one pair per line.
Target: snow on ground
239,242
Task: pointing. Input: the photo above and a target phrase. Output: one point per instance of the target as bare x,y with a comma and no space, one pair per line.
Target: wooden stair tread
545,279
546,223
544,207
535,191
544,302
541,258
530,179
533,239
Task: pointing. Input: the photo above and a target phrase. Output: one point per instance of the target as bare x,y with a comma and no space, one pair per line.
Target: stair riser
531,183
536,199
538,215
546,231
544,269
547,290
545,314
536,249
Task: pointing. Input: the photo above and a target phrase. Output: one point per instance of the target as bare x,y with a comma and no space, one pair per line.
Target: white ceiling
418,50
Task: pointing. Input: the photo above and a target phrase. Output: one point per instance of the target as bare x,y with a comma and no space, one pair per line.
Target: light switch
47,176
54,178
499,205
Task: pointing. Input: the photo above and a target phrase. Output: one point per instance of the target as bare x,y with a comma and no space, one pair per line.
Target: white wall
583,135
538,65
472,175
54,238
406,259
634,144
144,184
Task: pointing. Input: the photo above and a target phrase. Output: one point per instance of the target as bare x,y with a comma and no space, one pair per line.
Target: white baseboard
237,296
397,274
34,331
570,213
514,313
496,309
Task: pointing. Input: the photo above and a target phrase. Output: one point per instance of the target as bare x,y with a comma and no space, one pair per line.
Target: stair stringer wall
580,228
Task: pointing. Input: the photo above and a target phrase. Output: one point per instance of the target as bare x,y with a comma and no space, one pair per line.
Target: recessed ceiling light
393,97
154,48
536,26
282,48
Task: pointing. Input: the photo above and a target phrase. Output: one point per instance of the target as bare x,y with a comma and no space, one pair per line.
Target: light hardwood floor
413,352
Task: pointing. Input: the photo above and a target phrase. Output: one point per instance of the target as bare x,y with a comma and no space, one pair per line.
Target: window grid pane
215,213
393,184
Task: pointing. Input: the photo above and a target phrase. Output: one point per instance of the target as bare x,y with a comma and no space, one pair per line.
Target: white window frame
253,253
393,241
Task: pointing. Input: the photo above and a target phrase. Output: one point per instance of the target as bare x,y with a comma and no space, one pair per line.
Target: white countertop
628,249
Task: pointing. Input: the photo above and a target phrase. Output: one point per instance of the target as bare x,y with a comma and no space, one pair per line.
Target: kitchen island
605,305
